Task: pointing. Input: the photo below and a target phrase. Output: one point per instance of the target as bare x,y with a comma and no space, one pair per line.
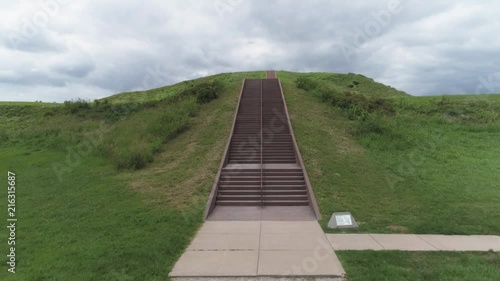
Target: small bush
349,99
325,94
355,102
136,156
445,100
305,83
355,112
366,112
207,92
382,105
102,109
203,93
77,106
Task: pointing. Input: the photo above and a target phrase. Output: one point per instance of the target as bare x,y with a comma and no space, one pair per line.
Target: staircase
262,167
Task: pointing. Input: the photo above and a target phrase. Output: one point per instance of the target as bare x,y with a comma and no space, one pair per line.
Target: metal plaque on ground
342,220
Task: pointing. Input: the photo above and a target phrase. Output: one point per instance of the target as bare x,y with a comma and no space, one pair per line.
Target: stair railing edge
261,143
310,193
212,198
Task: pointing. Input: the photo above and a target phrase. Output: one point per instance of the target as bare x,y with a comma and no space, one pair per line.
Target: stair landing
257,213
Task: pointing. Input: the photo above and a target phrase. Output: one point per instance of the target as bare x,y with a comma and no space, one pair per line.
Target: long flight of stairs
245,147
262,168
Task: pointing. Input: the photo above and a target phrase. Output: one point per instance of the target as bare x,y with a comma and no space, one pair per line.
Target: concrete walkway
263,250
414,242
259,249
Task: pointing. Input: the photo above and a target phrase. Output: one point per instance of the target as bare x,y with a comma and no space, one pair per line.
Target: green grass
104,221
171,90
432,167
91,226
350,81
16,116
22,103
100,223
419,266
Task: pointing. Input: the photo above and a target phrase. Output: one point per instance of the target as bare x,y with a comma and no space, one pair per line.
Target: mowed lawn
431,173
420,266
90,226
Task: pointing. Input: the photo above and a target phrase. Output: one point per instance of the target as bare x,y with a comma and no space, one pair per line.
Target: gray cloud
78,71
92,49
40,43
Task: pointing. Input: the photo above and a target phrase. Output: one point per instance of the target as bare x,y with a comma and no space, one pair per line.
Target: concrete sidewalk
259,248
414,242
263,250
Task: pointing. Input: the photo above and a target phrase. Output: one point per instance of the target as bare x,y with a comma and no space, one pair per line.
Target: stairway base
269,213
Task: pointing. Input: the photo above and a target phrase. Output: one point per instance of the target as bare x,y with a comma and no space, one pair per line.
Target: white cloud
91,48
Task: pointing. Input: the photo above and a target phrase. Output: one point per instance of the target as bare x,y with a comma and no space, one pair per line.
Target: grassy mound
398,163
114,189
84,217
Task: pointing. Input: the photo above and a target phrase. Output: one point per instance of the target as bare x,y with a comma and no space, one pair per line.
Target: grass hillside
401,164
398,163
114,189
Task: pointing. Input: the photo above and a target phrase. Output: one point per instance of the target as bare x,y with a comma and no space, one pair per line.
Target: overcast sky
55,50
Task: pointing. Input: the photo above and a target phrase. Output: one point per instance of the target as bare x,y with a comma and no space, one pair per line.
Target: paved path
414,242
259,248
